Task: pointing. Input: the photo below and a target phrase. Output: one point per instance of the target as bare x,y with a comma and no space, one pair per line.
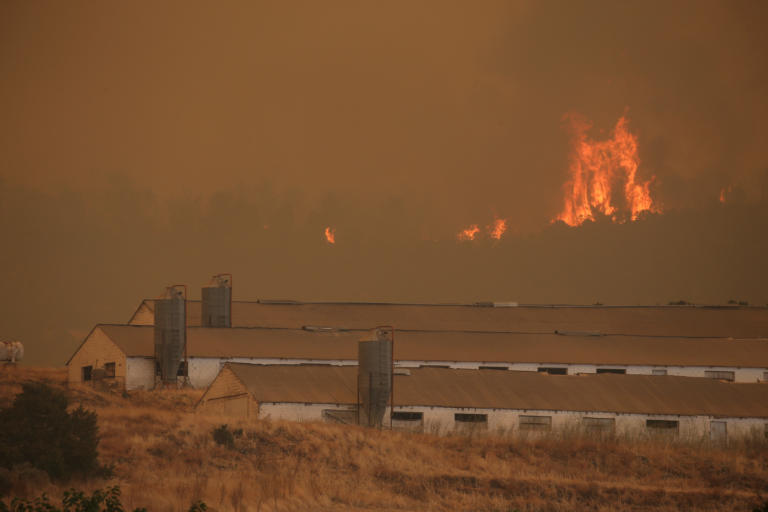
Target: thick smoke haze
148,144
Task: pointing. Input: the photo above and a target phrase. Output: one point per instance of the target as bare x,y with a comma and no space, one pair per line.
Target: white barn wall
740,374
203,370
440,420
296,412
140,373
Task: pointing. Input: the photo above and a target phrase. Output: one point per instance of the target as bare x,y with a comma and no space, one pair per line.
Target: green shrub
107,500
38,430
226,437
223,436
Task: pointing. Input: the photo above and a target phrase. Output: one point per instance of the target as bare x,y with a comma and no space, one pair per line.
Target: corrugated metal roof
737,322
493,389
455,346
316,383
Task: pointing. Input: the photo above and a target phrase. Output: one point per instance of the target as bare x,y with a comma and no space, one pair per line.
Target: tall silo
217,302
374,377
170,333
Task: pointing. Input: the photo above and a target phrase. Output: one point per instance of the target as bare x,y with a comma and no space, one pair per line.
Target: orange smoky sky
146,143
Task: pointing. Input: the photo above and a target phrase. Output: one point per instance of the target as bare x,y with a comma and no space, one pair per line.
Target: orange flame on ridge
596,168
724,193
330,235
469,233
498,228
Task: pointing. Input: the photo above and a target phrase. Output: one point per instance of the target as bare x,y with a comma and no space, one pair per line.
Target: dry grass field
164,458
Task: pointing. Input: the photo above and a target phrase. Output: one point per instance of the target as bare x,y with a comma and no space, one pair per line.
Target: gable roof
491,389
138,341
693,321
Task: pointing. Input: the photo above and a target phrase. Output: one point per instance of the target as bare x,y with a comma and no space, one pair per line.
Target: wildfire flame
498,228
330,235
469,233
724,193
600,169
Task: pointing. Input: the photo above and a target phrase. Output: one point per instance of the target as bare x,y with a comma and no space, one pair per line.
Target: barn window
599,424
659,371
662,426
621,371
720,375
553,370
535,422
87,373
494,368
109,370
343,416
182,371
408,420
470,418
407,416
718,431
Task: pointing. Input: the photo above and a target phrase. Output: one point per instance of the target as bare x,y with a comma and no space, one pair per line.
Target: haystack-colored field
164,458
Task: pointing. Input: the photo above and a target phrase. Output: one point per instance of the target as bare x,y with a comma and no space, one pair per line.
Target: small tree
107,500
37,429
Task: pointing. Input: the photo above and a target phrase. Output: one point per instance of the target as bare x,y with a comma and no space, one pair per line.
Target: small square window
535,422
470,418
109,370
662,426
720,375
407,416
408,420
718,431
553,370
599,424
343,416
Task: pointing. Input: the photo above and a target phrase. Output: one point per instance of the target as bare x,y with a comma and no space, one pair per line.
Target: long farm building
687,371
126,352
441,400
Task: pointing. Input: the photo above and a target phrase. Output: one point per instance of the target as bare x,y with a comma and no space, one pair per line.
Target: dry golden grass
165,458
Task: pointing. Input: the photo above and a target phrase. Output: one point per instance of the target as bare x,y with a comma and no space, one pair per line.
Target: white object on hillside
11,351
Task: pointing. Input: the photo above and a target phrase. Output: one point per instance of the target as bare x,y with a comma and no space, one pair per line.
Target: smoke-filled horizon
80,258
145,144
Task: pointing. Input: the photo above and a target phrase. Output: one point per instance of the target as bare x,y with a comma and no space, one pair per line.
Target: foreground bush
226,437
107,500
39,431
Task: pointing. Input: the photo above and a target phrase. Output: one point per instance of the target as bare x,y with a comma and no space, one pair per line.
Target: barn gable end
97,358
228,396
144,315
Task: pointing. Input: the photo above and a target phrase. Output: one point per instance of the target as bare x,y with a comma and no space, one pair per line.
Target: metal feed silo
374,378
170,333
217,302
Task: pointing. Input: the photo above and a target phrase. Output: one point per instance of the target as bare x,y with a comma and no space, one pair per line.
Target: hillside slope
165,457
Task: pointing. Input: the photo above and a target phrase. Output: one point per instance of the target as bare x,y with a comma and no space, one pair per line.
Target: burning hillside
603,176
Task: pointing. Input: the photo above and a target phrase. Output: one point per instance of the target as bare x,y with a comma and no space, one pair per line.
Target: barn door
718,431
